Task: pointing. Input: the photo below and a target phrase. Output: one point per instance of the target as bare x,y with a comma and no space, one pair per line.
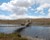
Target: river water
33,31
7,30
37,32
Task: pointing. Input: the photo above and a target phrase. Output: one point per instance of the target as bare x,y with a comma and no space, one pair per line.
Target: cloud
41,8
48,16
13,17
19,8
45,5
4,17
22,3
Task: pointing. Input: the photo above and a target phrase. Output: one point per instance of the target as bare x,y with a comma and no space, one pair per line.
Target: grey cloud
23,3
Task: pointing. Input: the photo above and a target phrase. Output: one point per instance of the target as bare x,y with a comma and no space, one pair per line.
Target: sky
17,9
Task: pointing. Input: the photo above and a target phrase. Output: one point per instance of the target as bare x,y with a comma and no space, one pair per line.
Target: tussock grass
13,36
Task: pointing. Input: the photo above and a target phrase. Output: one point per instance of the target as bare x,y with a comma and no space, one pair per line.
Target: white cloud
19,8
14,16
45,5
4,17
48,16
41,8
6,6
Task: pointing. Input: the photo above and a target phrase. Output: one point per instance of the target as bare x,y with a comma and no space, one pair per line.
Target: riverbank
13,36
16,36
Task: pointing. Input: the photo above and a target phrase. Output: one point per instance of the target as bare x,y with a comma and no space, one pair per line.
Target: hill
23,21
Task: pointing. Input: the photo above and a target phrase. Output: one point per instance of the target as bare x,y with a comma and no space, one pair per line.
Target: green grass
13,36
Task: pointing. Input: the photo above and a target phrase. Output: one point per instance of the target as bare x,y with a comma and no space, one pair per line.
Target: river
37,32
33,31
